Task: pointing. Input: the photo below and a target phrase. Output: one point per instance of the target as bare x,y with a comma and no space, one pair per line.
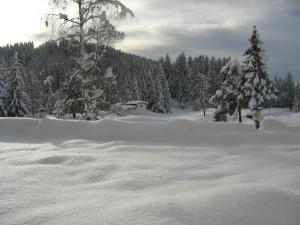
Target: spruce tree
159,101
231,86
3,112
136,92
226,99
165,89
290,90
49,96
2,98
256,85
199,95
110,86
182,74
15,90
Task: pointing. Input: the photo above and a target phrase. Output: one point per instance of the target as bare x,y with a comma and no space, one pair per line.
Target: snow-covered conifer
159,100
226,98
199,94
2,88
16,96
110,86
182,74
49,96
165,89
290,90
135,89
256,81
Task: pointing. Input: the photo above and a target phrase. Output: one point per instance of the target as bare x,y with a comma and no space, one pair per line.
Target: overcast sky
212,27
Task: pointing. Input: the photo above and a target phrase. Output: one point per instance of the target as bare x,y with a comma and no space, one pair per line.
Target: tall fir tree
49,97
182,74
136,92
199,94
257,87
228,94
3,112
16,95
290,90
165,89
110,86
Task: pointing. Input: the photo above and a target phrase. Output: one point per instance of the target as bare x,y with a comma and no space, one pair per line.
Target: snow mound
177,131
233,205
179,171
275,125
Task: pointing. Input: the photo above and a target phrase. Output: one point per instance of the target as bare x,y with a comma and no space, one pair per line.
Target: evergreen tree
170,74
3,112
215,80
290,91
158,104
226,98
136,92
199,95
49,96
73,101
165,89
182,75
110,86
257,86
15,90
34,91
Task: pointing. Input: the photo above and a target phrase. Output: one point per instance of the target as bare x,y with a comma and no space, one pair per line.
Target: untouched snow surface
150,170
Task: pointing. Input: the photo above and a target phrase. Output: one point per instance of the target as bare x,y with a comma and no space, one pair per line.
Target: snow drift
163,171
173,132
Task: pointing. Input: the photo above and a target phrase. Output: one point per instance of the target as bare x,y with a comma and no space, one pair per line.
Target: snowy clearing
150,170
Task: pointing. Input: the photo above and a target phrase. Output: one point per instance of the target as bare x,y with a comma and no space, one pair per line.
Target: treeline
46,79
43,78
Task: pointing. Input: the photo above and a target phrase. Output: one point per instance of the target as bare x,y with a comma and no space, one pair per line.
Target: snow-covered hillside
150,170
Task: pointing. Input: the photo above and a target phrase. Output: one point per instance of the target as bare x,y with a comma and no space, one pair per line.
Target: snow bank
178,171
171,132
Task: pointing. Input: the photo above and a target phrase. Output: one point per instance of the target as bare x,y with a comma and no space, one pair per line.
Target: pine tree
34,90
110,86
15,90
199,95
231,86
165,89
182,75
290,90
159,101
3,112
215,80
151,88
49,96
256,83
73,102
136,92
226,98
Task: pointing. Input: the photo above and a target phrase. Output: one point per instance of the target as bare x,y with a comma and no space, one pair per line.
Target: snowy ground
149,170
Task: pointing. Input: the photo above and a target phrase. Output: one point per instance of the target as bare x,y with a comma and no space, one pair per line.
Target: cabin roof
137,102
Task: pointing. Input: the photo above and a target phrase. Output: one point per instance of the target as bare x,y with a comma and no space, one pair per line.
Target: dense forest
46,73
41,78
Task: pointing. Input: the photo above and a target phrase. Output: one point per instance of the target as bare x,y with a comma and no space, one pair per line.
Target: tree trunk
203,108
74,115
257,124
240,113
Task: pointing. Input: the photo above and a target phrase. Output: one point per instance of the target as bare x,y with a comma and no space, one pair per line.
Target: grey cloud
277,21
41,37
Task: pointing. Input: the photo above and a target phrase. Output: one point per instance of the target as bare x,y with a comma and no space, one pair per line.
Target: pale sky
213,27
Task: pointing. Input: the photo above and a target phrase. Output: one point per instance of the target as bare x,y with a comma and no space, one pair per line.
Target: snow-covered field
149,170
